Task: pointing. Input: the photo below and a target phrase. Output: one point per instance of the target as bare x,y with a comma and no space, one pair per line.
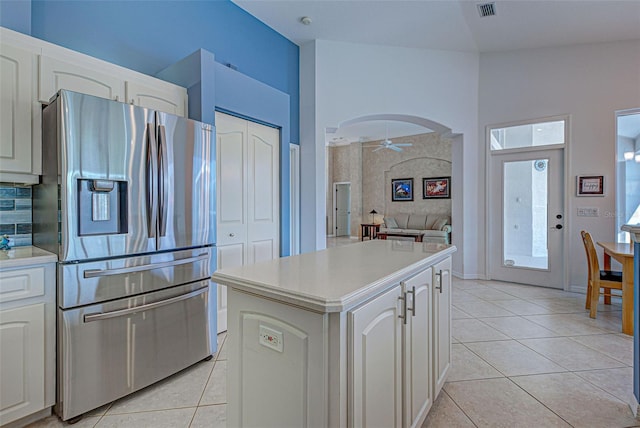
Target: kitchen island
358,335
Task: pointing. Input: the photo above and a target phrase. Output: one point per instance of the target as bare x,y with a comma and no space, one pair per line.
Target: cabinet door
22,351
375,362
417,349
56,75
441,323
164,97
228,256
16,72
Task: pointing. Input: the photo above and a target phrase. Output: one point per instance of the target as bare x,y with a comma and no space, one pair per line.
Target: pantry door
247,195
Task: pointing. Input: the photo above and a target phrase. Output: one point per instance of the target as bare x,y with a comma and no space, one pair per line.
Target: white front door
527,217
343,209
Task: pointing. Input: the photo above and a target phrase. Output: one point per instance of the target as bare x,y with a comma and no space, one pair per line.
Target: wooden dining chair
598,279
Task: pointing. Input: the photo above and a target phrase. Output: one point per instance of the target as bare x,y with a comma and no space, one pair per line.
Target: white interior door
248,198
343,209
527,217
263,193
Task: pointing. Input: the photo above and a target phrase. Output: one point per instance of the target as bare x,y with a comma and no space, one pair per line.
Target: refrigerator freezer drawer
109,350
99,281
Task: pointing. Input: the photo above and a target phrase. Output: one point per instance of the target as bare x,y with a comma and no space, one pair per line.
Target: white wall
352,80
588,82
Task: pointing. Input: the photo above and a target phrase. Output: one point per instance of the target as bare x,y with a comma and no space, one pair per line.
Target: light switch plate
588,212
271,338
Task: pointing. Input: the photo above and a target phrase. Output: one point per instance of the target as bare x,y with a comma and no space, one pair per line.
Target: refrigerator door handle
152,185
163,187
122,312
94,273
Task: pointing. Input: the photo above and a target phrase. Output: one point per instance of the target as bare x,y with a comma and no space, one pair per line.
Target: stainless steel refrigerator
127,202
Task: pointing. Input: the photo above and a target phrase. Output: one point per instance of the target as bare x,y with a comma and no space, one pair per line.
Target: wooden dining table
623,253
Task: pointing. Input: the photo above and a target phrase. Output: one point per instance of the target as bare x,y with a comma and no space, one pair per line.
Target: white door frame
568,205
294,199
335,190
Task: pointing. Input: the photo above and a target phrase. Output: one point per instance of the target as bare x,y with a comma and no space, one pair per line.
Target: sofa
435,227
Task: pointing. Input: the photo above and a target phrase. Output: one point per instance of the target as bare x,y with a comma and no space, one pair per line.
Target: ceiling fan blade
403,144
395,148
379,148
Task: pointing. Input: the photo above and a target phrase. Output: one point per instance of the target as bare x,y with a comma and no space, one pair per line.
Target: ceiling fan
388,144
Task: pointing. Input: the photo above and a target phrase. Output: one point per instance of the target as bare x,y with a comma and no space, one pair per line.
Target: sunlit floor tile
501,403
577,401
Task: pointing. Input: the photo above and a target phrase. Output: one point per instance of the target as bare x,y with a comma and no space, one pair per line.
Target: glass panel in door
526,214
525,201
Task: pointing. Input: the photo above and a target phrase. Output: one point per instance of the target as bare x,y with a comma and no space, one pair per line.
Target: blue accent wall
153,36
148,36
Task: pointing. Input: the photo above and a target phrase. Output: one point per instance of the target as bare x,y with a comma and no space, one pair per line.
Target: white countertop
634,231
334,279
25,256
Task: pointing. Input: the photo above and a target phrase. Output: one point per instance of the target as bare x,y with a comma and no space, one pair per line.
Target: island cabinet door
375,362
441,323
417,349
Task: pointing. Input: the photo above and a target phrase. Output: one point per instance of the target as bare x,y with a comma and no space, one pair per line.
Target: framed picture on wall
402,189
436,188
590,185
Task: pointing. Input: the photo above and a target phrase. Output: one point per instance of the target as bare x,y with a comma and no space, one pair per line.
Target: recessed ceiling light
305,20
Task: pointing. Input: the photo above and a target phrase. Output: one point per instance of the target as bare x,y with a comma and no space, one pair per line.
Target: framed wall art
402,189
590,185
436,188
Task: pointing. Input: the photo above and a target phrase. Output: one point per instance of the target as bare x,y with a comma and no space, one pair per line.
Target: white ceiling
451,24
447,25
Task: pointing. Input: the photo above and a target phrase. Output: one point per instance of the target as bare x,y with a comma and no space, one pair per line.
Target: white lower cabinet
27,343
375,363
22,351
390,374
441,323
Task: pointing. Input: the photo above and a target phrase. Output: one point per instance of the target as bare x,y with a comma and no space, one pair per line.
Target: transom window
528,135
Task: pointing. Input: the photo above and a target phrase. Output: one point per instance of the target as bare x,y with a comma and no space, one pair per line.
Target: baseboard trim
578,289
466,276
635,407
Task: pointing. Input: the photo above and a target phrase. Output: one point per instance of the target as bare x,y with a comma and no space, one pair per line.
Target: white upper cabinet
167,98
16,72
32,71
83,74
56,74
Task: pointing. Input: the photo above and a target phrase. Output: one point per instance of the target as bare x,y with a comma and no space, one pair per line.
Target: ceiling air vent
487,9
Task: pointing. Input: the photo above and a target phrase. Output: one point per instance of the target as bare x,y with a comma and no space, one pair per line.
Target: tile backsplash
16,213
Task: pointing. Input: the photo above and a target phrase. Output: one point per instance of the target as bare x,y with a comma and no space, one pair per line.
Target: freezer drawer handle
94,273
119,313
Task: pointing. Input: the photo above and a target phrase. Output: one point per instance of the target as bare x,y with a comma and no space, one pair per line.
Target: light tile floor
522,357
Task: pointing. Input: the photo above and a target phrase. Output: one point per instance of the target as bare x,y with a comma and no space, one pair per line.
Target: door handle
403,298
163,188
439,280
152,184
122,312
413,299
94,273
557,226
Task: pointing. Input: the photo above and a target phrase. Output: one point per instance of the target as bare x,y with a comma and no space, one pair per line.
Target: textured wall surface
370,174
